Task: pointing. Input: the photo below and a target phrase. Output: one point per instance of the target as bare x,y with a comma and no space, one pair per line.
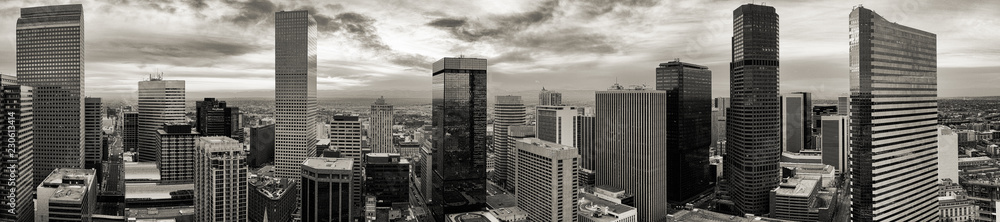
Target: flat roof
329,163
797,187
154,191
590,203
72,191
141,171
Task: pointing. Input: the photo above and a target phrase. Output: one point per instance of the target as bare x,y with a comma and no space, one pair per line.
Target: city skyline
363,47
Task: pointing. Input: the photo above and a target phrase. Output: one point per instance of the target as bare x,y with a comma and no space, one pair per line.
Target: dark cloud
498,26
594,8
411,60
194,51
566,40
252,12
196,4
517,56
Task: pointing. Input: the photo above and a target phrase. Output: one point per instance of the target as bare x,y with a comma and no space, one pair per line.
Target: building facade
346,138
175,145
160,101
955,203
50,59
547,185
294,91
271,199
380,120
17,104
631,146
326,189
834,133
459,121
796,122
386,179
893,112
689,119
93,144
753,120
261,145
130,130
215,118
66,195
508,111
549,98
555,124
220,180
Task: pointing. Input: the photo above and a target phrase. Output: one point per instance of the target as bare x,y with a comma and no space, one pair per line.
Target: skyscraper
294,91
753,130
514,134
689,115
508,111
175,146
386,178
346,136
220,180
549,98
326,189
631,146
160,101
130,130
380,120
17,160
893,120
215,118
796,122
50,59
844,105
555,124
92,132
459,120
547,185
261,145
583,138
834,131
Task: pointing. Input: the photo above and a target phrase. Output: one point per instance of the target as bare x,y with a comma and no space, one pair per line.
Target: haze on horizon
226,47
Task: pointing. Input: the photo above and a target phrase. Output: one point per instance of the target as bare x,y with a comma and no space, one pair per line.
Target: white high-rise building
380,127
160,101
555,124
547,185
508,111
294,91
220,182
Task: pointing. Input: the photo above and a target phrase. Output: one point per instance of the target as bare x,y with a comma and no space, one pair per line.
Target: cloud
496,26
252,12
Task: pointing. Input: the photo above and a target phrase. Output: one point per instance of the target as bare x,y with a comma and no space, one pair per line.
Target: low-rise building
954,204
66,195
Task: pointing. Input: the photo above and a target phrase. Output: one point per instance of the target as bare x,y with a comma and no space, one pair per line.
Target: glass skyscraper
753,130
894,120
294,91
50,59
689,119
459,120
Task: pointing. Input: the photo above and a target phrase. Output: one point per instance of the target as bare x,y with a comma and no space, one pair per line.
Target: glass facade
17,106
50,48
689,119
894,120
459,120
294,91
753,120
93,133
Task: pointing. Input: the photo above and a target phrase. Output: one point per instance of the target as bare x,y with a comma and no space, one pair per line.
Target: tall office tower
160,101
555,124
271,199
631,146
549,98
261,145
214,118
893,120
753,130
92,133
294,91
844,105
326,189
508,111
67,195
386,178
130,130
459,117
346,136
722,105
689,116
547,185
220,180
175,145
515,133
834,131
17,160
50,59
583,138
381,120
796,122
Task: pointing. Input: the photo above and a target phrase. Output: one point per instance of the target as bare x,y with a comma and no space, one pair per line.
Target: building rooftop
68,184
459,63
797,187
141,172
600,210
472,217
509,213
329,163
152,191
160,214
272,187
501,200
705,215
974,159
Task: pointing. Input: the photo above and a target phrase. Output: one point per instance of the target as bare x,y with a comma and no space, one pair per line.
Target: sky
225,48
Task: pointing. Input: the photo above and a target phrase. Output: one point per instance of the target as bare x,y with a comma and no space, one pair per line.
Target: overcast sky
227,46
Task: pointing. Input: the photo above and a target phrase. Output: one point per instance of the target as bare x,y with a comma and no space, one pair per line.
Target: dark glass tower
459,120
689,119
894,120
214,118
753,122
